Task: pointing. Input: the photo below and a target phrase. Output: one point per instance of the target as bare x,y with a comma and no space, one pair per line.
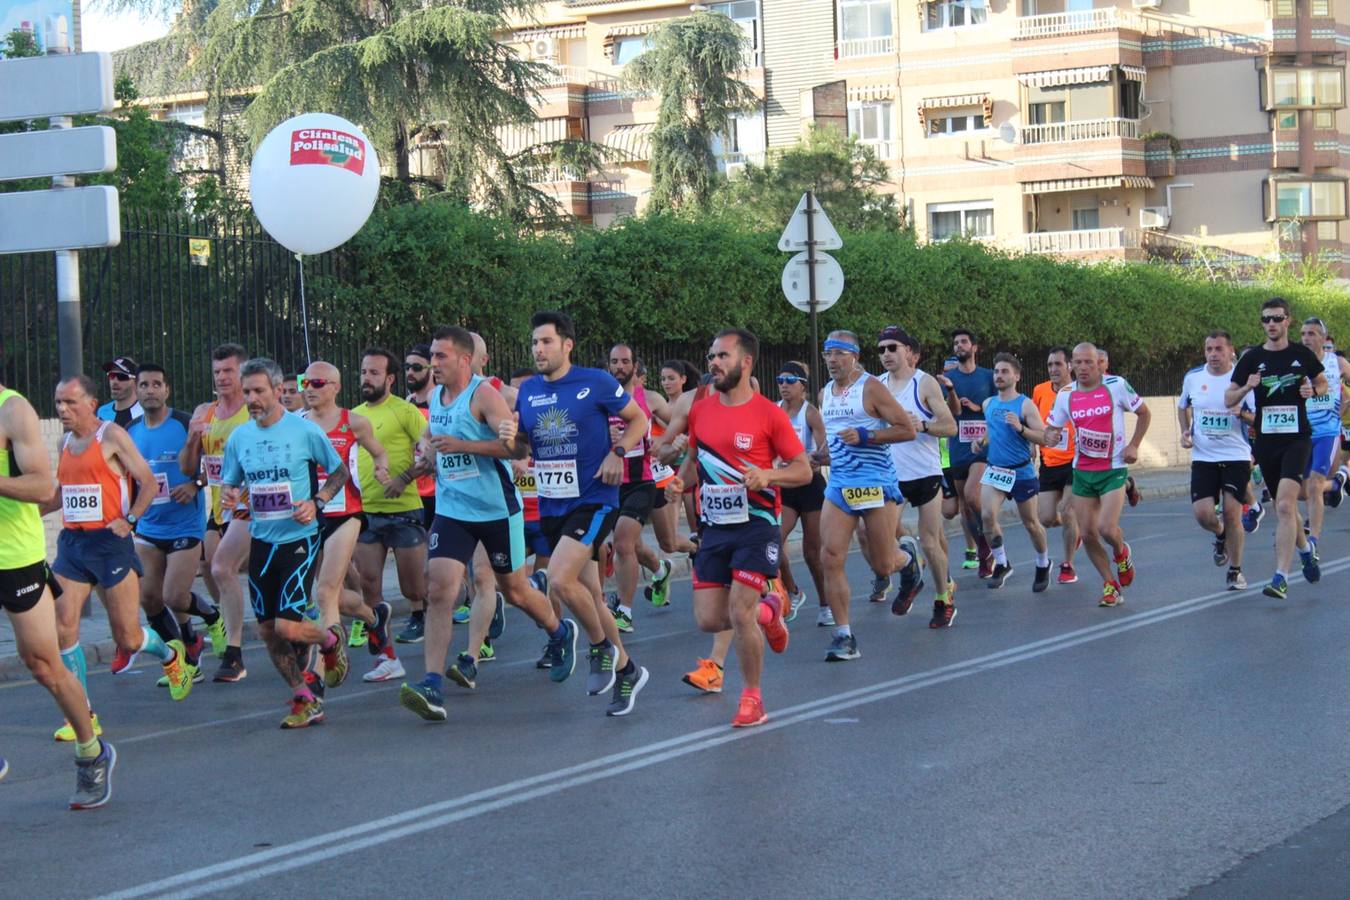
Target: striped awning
1134,73
515,138
557,32
863,92
1061,185
1057,77
630,30
633,141
954,101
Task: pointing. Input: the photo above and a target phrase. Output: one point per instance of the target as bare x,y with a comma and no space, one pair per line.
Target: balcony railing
883,149
1085,240
857,47
561,75
1081,130
740,158
1055,24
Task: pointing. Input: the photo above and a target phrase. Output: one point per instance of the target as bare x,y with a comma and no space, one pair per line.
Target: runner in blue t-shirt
966,386
276,456
169,534
562,422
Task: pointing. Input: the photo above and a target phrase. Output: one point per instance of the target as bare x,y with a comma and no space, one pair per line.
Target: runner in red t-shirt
735,434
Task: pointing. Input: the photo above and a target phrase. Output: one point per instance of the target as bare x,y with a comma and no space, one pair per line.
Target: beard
729,382
416,384
373,392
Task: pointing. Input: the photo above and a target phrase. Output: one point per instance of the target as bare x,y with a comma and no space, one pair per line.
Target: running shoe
659,590
540,581
749,713
335,662
626,689
313,682
1251,518
386,668
624,621
943,615
195,650
1111,595
486,652
231,670
706,678
1312,570
4,768
378,634
601,676
216,632
911,578
608,557
304,713
825,618
612,600
985,558
414,630
357,636
178,672
424,700
1042,579
1000,574
66,733
1125,567
881,586
1066,574
122,660
461,615
795,604
463,671
1278,587
1235,580
498,626
1220,550
545,660
972,560
770,617
1131,492
561,654
93,778
843,647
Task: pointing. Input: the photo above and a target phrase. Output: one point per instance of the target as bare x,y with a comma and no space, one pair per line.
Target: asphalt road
1191,740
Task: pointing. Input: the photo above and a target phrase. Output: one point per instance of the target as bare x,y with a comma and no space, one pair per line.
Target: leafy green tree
692,65
19,43
845,174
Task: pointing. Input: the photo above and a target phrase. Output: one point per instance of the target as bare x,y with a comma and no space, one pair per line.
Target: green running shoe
216,632
358,636
624,621
659,591
461,614
486,653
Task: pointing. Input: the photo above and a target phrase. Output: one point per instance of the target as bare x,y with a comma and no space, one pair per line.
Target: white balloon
313,182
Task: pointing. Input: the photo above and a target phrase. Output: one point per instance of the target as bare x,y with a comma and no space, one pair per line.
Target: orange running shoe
749,713
771,620
707,677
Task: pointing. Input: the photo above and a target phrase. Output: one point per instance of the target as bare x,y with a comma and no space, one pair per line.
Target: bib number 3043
860,498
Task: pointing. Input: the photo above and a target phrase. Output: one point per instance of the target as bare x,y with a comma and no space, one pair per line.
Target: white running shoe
385,670
824,617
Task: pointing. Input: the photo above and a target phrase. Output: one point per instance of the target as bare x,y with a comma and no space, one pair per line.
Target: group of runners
465,477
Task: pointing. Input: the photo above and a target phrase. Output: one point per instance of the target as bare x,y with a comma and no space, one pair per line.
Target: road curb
101,652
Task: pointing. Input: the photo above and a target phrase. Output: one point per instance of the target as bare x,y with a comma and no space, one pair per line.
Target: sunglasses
789,379
888,348
118,376
1266,320
415,368
316,383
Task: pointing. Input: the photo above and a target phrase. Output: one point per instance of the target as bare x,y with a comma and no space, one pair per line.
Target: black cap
899,335
422,350
122,364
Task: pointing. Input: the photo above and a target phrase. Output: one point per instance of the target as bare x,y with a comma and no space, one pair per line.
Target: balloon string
304,313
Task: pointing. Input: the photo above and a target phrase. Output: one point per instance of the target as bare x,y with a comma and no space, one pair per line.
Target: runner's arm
944,421
879,401
491,409
135,465
34,484
1145,416
660,408
1184,424
190,457
365,437
336,480
665,448
1033,428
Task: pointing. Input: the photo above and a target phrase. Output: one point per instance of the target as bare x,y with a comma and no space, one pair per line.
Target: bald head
322,398
1087,368
480,354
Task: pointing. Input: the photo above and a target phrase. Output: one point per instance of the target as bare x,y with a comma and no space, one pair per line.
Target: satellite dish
1007,133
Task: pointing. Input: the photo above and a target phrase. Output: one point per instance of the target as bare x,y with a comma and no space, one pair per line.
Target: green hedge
673,278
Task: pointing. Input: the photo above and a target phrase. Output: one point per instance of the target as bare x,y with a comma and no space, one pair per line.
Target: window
744,13
1130,92
955,13
745,138
627,49
956,123
1321,7
1086,214
1045,113
1324,118
1309,199
1286,120
949,220
1306,88
870,122
862,19
1328,231
1283,9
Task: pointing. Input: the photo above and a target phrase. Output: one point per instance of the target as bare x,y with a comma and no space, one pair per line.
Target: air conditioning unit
734,168
1147,4
544,48
1155,217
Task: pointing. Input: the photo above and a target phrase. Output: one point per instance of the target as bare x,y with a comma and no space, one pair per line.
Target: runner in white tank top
803,504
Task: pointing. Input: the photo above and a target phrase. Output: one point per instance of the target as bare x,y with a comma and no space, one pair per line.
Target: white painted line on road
254,866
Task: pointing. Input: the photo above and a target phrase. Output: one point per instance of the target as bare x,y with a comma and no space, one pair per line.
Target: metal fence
154,299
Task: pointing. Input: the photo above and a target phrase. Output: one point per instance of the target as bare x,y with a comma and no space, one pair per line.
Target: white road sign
69,84
797,285
66,219
794,235
65,151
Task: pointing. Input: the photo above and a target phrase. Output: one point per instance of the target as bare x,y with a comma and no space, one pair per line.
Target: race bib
860,498
1323,404
557,478
161,489
1279,420
455,466
338,504
270,502
999,478
661,471
213,466
1063,439
1214,424
724,504
1096,444
527,485
81,503
968,431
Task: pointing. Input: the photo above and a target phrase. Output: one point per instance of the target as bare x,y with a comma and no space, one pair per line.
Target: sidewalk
98,647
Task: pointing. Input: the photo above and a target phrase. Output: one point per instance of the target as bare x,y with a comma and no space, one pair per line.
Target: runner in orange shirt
1056,472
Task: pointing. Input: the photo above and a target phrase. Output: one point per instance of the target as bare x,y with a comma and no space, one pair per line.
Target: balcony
559,75
1103,242
736,160
858,48
1081,130
1092,37
1081,22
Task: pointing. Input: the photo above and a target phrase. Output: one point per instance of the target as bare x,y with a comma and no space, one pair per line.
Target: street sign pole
812,280
814,354
69,328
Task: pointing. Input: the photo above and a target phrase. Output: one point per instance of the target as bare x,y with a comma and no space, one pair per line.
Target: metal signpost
812,280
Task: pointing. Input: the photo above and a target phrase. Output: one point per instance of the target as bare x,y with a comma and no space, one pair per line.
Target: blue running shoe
424,700
562,654
1312,570
1278,588
498,619
463,671
1251,518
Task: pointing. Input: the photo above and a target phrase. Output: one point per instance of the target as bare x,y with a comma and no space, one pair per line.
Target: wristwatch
319,503
619,451
132,518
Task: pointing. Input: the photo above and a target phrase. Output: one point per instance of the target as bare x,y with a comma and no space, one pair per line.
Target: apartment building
1106,129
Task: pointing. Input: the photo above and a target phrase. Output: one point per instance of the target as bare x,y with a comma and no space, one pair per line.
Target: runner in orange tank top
98,516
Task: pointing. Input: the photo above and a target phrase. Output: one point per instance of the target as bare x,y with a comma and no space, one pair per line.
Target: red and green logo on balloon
325,147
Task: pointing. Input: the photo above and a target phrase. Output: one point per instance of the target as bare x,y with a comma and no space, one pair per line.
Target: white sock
626,610
843,631
1001,555
1042,560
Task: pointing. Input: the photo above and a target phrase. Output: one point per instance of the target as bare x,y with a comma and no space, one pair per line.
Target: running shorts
503,539
747,552
1098,484
281,578
1210,479
95,557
